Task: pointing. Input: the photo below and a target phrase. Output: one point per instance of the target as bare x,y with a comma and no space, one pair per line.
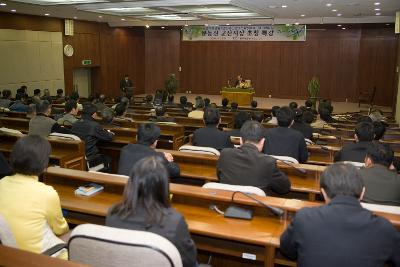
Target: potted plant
313,90
171,85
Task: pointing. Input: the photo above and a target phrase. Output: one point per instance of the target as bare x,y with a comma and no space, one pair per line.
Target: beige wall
31,58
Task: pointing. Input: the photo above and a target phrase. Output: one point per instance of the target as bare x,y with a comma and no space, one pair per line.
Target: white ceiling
213,12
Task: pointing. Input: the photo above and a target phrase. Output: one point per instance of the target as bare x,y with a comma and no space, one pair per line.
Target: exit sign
86,62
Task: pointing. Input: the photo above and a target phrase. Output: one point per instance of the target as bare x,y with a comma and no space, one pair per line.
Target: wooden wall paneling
32,23
271,69
162,57
289,59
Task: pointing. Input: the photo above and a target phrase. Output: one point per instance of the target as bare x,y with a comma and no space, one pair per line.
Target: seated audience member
293,105
211,136
376,115
100,103
75,96
23,90
309,106
189,107
60,93
284,141
299,125
341,232
42,124
145,206
364,134
253,104
107,118
36,96
325,104
247,165
148,101
183,100
147,138
160,115
19,103
31,208
379,130
323,119
364,119
258,116
224,104
240,118
120,112
273,119
381,183
199,112
5,168
206,102
90,131
234,107
5,101
69,117
46,94
31,111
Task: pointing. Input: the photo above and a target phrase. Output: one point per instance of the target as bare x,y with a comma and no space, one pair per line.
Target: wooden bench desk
211,232
12,257
65,153
20,124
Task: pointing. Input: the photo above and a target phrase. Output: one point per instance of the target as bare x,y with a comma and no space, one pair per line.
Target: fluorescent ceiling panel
169,17
60,2
209,9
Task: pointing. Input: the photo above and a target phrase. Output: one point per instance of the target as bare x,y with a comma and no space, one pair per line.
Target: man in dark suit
247,165
301,125
160,115
147,136
341,233
211,136
364,134
381,183
284,141
240,118
126,82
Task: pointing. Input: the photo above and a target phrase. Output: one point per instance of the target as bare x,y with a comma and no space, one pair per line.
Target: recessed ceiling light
206,24
3,4
378,14
249,24
334,10
47,14
329,4
227,24
287,24
147,26
162,27
377,9
296,23
13,10
387,24
302,15
339,14
343,28
186,25
339,25
75,17
284,6
122,19
100,16
377,3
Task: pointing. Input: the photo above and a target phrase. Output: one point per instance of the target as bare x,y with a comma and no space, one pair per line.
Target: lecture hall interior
200,133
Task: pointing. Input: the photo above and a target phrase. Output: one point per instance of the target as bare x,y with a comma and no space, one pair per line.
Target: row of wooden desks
212,232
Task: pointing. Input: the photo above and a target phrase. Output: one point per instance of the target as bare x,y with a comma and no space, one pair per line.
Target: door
82,81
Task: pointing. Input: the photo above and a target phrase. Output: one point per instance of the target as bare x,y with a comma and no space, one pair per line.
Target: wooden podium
241,96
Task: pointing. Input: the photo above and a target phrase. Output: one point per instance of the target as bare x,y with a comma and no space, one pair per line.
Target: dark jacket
5,168
282,141
382,186
18,106
211,136
234,132
132,153
123,84
341,233
91,132
173,227
247,166
161,119
353,152
304,129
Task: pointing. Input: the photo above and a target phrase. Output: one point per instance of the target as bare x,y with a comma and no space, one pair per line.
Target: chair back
241,188
65,136
104,246
199,149
6,235
10,131
285,159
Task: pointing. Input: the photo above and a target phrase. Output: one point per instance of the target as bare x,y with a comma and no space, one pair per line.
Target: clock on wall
68,50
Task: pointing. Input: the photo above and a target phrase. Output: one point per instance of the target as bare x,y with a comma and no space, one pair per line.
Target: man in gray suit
382,184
